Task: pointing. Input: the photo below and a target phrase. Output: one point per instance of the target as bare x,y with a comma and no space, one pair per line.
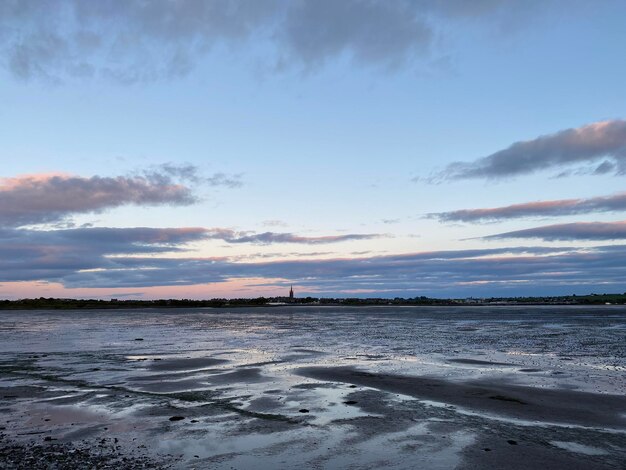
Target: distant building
291,293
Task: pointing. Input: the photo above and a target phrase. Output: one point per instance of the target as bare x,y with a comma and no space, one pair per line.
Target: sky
353,148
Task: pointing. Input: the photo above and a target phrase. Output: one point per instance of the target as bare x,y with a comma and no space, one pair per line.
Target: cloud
372,32
28,254
602,144
576,231
222,179
52,254
274,223
267,238
280,255
136,258
190,173
562,207
45,198
52,198
134,40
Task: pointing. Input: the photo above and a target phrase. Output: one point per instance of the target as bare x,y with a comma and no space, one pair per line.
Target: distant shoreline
95,304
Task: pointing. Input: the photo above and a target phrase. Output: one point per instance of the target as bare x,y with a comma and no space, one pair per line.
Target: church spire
291,292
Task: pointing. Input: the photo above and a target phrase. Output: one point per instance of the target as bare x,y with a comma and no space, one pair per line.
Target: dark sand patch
526,455
312,352
513,401
168,386
249,375
467,328
371,357
301,354
313,386
194,363
172,376
264,404
24,391
478,362
260,364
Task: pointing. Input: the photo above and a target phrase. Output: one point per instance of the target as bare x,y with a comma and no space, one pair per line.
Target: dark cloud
267,238
602,144
576,231
44,198
372,32
279,255
54,254
563,207
454,272
135,40
133,258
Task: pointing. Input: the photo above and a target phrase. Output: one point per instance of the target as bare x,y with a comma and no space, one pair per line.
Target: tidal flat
315,387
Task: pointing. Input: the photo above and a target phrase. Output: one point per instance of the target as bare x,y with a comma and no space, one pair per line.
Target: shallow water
233,376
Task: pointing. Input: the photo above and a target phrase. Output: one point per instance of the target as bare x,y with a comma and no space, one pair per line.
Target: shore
329,389
85,455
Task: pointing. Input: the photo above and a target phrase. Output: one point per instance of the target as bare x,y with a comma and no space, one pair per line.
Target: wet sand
483,396
323,389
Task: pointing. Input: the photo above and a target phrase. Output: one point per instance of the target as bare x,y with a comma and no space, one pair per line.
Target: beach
314,387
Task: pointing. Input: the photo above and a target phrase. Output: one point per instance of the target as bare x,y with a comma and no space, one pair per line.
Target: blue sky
310,137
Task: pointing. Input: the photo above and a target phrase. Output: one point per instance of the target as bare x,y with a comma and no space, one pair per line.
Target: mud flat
333,388
512,401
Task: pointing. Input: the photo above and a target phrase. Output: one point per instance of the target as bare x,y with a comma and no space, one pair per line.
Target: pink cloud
52,197
562,207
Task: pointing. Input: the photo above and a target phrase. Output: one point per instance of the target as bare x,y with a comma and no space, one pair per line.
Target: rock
350,402
138,339
304,410
487,449
512,442
177,418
